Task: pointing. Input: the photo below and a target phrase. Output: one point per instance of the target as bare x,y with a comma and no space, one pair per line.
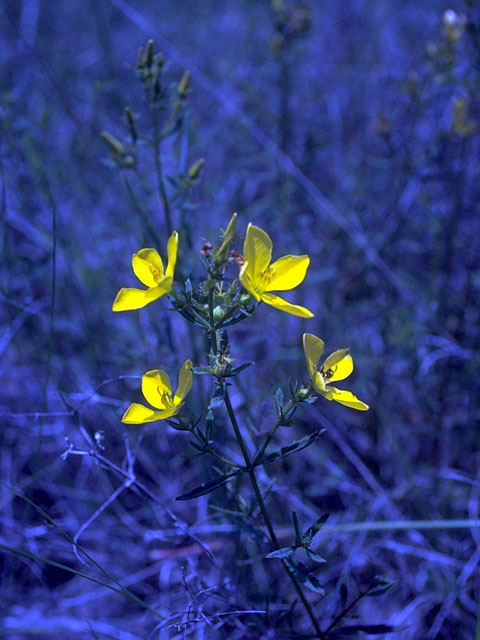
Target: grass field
349,132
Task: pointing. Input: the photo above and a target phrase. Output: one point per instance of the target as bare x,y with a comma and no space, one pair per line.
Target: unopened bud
195,169
183,85
148,57
114,144
218,313
453,25
221,254
302,392
231,228
180,424
131,118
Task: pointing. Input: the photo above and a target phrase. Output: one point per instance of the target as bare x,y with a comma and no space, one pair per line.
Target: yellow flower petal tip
338,366
148,267
260,277
157,391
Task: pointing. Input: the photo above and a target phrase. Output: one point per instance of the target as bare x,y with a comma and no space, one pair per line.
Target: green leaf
380,590
312,531
314,556
206,487
298,445
201,371
235,371
278,399
297,526
210,423
304,575
284,552
314,584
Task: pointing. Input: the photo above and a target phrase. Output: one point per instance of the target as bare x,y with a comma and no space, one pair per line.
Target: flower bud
131,118
182,88
195,169
115,145
218,313
453,25
148,55
221,254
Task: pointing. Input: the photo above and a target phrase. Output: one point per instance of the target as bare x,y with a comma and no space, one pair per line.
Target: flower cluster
261,279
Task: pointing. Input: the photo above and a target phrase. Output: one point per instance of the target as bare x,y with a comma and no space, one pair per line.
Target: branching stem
266,517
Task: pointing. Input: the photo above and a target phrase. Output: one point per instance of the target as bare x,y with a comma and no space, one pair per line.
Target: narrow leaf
284,552
381,590
210,423
297,526
315,557
206,487
316,526
201,371
234,372
298,445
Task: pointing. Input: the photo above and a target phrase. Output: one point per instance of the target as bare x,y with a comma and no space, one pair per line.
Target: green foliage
351,136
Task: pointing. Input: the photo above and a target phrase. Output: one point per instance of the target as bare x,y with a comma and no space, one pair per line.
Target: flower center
326,374
167,399
266,277
157,276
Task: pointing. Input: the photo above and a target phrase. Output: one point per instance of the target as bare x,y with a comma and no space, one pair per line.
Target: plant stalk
266,517
159,171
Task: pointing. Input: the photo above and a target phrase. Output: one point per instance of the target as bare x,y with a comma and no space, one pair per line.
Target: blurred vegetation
350,132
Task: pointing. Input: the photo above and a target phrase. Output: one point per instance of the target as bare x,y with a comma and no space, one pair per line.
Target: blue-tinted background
349,133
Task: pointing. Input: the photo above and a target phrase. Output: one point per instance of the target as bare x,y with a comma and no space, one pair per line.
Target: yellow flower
260,278
148,267
338,366
157,390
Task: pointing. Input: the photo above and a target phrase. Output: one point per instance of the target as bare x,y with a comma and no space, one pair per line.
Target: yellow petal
156,388
287,273
131,298
347,398
313,349
148,267
172,251
185,379
283,305
340,363
319,384
246,281
138,414
257,251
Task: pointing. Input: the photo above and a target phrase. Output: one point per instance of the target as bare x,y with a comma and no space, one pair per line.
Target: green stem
159,171
269,438
347,609
263,509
